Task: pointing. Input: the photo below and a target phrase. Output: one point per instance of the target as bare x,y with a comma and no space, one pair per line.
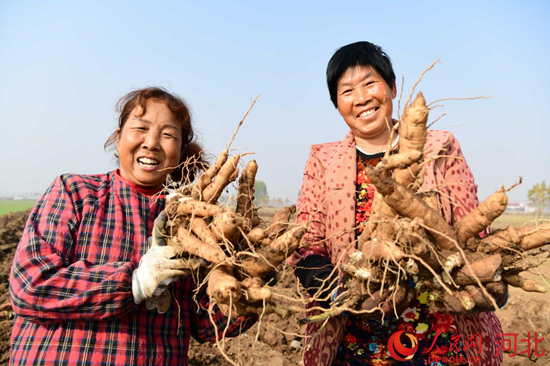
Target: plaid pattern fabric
71,282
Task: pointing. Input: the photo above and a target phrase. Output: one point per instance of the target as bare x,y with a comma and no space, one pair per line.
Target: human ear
117,141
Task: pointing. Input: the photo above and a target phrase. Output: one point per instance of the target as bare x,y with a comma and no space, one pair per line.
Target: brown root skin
407,204
223,287
255,294
256,235
412,130
454,259
197,208
458,302
225,226
213,191
199,227
387,303
499,239
268,257
401,160
252,282
250,172
431,200
189,243
469,300
358,266
408,177
265,242
380,225
234,176
382,250
418,237
535,238
280,223
525,238
260,308
412,138
524,283
245,196
357,300
209,174
483,270
482,216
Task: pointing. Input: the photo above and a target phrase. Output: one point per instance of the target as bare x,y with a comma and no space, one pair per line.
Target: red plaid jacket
71,282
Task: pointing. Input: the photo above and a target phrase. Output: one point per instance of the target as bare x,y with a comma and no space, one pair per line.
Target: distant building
516,207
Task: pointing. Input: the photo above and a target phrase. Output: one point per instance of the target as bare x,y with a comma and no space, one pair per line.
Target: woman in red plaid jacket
84,275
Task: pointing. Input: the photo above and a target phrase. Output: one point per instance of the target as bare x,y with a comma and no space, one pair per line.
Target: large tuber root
482,216
268,257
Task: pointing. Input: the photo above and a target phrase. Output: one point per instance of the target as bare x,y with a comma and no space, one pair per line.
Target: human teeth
367,113
147,161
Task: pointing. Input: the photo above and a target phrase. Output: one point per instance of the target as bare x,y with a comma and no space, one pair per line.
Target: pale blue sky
63,65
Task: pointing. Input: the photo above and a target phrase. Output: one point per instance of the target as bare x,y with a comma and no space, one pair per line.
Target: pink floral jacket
327,200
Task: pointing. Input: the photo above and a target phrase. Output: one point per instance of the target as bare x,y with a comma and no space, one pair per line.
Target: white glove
159,267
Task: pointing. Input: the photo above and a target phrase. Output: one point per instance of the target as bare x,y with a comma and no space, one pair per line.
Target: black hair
357,54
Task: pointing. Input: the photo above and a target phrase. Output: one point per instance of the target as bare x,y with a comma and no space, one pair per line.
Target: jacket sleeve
450,176
460,182
312,209
45,286
312,263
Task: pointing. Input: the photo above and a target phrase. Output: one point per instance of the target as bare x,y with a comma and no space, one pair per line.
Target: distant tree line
539,197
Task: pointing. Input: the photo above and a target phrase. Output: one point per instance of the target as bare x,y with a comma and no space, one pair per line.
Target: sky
64,65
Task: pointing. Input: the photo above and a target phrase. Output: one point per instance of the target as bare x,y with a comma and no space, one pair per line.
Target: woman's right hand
159,267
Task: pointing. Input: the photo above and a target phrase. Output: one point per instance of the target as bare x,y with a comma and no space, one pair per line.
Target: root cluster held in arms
407,239
233,249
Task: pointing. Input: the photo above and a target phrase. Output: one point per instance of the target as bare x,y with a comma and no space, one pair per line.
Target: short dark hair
191,151
357,54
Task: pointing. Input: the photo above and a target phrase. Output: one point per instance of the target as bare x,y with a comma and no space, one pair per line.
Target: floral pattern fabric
365,340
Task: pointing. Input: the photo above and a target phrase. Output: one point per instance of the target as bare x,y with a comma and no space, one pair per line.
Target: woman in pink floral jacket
336,197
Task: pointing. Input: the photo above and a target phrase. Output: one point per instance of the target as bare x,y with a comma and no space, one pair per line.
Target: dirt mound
276,341
11,229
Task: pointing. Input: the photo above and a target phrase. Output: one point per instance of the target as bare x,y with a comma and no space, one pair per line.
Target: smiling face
365,102
149,145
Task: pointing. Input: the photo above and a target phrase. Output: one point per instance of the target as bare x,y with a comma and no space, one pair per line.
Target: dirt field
266,344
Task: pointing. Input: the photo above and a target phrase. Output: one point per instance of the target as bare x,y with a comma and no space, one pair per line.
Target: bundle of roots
407,246
235,253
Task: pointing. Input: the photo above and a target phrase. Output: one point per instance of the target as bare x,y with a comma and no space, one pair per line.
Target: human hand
161,302
499,292
159,267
